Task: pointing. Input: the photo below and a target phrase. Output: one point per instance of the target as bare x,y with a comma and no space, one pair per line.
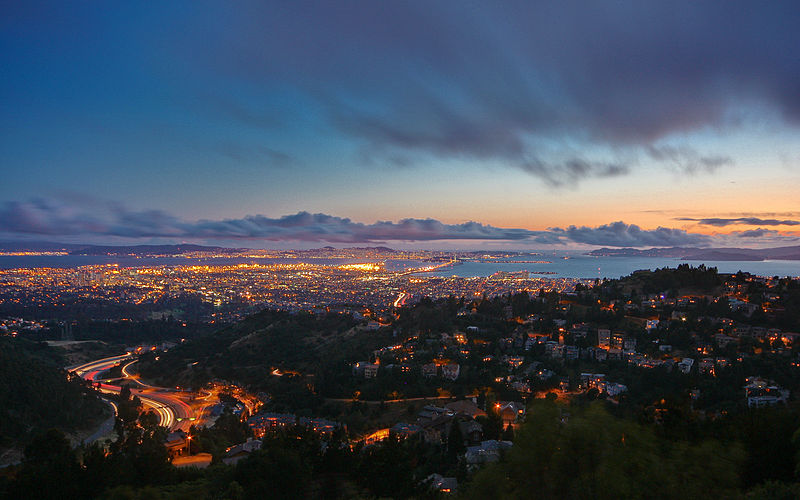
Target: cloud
98,219
254,154
53,218
750,221
305,226
572,170
687,160
756,233
619,234
484,82
521,84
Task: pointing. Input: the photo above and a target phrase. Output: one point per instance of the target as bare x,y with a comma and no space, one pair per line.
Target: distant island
690,253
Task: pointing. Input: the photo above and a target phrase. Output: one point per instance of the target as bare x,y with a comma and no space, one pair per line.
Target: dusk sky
430,124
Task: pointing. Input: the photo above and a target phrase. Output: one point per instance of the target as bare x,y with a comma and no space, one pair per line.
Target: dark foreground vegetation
37,394
562,451
682,343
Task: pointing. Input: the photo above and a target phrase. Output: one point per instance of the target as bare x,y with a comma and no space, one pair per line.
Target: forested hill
36,394
249,351
683,279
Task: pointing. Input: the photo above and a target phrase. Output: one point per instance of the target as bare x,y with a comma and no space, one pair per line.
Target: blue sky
531,116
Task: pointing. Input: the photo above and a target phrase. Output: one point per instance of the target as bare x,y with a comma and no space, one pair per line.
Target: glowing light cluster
366,267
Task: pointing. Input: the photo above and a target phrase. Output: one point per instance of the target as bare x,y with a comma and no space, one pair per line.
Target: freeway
95,367
105,428
168,404
401,299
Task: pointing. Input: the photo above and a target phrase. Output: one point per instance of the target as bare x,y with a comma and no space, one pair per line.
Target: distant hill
149,250
690,253
84,249
37,246
187,248
143,250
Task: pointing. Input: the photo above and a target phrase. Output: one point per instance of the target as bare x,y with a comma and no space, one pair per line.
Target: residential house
706,366
429,370
571,352
177,444
270,422
451,371
242,450
760,392
435,429
604,338
404,430
365,369
511,412
488,451
465,407
471,430
443,484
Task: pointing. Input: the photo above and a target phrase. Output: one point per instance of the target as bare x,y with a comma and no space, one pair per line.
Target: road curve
173,413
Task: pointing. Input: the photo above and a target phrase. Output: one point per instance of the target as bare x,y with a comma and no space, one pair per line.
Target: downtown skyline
452,125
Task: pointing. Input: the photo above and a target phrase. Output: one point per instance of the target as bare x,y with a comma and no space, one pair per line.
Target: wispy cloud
756,233
262,155
749,221
687,160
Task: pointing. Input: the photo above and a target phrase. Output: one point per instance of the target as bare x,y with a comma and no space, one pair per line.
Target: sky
418,124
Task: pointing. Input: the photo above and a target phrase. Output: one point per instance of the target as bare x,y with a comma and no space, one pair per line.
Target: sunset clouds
522,115
95,220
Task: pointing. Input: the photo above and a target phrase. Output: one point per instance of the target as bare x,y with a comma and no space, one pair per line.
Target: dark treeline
74,306
36,394
575,451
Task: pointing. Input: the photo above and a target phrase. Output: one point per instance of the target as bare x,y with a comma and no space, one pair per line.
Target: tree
587,453
455,440
508,433
50,469
387,469
273,473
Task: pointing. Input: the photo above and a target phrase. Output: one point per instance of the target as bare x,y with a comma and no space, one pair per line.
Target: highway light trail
166,418
172,412
128,376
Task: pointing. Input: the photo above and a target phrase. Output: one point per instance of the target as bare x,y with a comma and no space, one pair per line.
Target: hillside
36,395
249,351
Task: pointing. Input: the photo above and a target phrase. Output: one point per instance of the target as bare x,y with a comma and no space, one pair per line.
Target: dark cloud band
104,219
477,81
749,221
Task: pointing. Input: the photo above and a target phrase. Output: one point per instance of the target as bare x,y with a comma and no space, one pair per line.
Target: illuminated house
177,444
443,484
240,451
511,412
368,370
760,392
